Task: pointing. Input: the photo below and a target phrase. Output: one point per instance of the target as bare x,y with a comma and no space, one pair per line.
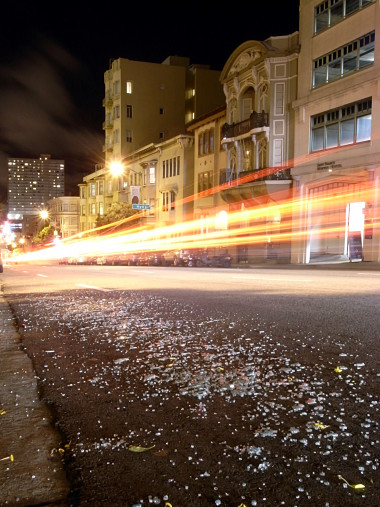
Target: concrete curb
36,475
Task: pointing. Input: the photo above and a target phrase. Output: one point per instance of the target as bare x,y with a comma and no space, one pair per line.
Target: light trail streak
283,222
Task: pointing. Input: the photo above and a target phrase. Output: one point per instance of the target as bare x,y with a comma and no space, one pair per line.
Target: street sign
140,206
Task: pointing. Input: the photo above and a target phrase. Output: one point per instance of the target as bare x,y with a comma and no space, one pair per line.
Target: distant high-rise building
32,182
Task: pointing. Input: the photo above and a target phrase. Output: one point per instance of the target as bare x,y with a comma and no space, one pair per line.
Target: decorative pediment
246,59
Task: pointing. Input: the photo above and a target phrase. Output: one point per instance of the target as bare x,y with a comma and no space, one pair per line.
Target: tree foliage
44,235
116,213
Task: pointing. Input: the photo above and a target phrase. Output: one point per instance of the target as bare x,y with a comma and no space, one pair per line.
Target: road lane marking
92,287
271,279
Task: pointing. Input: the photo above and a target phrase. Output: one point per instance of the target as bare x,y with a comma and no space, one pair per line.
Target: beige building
149,103
210,162
158,177
147,107
64,215
337,121
260,84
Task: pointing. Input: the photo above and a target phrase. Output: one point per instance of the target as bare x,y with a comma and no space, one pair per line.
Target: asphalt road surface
202,387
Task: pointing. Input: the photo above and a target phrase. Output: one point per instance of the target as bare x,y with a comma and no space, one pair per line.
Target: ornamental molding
246,59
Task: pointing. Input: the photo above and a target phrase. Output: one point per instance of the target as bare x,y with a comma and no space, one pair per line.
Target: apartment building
260,84
210,162
159,177
337,122
147,105
32,182
149,102
64,215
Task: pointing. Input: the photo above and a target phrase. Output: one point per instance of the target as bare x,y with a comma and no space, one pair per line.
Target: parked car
142,259
155,259
107,260
123,260
221,259
198,258
175,258
85,259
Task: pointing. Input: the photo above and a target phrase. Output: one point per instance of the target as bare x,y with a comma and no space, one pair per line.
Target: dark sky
54,55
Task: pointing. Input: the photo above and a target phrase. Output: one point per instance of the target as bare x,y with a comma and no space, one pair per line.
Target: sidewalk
29,473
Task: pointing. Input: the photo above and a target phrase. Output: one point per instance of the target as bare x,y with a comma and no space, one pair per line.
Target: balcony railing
107,125
229,176
255,121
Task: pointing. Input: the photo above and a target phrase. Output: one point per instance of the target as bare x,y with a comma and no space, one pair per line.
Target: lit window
340,127
152,175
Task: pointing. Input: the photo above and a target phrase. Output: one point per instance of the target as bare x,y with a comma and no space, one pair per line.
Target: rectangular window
347,130
332,138
83,210
351,57
330,12
211,140
200,145
101,187
205,145
336,11
352,6
178,163
200,182
366,50
165,201
83,192
116,112
116,136
363,130
116,88
277,152
129,111
172,200
101,209
204,181
152,175
279,98
161,110
334,66
92,190
128,87
350,53
92,209
128,136
341,127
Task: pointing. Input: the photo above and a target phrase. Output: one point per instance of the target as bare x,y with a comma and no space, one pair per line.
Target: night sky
54,55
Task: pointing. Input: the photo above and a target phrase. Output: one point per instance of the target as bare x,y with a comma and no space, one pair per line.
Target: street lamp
44,214
116,168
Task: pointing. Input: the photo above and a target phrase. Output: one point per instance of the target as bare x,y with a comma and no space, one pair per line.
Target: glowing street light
116,168
44,214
